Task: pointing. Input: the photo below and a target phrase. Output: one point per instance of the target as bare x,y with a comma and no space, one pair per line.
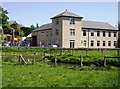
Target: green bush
93,57
22,49
9,60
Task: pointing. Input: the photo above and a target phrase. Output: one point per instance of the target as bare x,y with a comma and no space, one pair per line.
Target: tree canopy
9,27
3,16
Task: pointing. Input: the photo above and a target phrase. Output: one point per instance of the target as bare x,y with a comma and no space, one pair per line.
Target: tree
17,28
37,26
6,28
32,27
26,30
3,16
4,21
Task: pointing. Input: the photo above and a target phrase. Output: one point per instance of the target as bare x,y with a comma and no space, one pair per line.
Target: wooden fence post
44,52
21,59
104,61
55,57
34,58
81,64
55,61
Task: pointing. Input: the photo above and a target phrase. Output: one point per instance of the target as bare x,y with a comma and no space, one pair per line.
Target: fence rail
69,48
83,54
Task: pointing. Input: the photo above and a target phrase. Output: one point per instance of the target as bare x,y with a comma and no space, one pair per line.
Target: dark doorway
34,40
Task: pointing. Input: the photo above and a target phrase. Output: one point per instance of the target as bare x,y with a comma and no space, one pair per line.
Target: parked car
52,45
15,44
26,43
5,43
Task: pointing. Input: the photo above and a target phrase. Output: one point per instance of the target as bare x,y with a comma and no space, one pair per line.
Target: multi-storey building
68,30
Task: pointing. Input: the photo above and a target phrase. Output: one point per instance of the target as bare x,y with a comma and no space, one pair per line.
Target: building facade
68,30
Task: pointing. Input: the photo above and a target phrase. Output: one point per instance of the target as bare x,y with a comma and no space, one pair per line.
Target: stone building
68,30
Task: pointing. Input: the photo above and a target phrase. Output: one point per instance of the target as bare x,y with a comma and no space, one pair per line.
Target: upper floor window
92,33
98,33
109,34
92,43
84,32
72,32
72,20
57,21
56,32
114,34
103,33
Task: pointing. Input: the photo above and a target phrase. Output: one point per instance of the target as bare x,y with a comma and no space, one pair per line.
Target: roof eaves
65,16
99,28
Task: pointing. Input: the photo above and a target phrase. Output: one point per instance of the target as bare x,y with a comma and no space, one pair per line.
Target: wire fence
63,55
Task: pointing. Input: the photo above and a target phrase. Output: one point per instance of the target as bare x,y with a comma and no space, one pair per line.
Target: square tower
66,30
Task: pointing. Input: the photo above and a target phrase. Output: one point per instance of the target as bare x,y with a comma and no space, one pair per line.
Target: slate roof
97,25
67,14
85,24
44,27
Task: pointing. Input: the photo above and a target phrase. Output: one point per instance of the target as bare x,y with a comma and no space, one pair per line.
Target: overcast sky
28,13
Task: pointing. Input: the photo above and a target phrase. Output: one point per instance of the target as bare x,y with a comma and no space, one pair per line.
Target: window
84,32
109,43
109,34
114,34
72,32
42,32
84,43
92,33
114,43
47,33
103,43
51,33
92,43
98,43
72,21
103,33
57,32
57,21
98,33
72,43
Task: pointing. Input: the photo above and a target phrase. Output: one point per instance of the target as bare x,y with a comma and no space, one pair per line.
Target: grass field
46,74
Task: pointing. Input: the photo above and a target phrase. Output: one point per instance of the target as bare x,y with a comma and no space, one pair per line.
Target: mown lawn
44,75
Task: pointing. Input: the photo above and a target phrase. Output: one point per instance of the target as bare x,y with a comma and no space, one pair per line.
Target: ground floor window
72,43
114,43
98,43
109,43
92,43
103,43
84,43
